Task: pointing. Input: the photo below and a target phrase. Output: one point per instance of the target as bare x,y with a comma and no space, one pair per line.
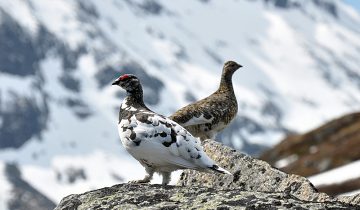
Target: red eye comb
125,76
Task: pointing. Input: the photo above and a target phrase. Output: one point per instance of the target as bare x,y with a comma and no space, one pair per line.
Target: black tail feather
219,169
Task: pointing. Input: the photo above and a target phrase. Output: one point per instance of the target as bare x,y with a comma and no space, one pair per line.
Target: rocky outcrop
134,196
255,185
251,174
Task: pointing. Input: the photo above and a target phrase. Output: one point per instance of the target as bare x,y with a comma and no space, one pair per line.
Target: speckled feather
207,117
158,143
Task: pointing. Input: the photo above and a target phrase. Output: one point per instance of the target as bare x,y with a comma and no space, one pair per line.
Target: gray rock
355,200
134,196
251,174
255,185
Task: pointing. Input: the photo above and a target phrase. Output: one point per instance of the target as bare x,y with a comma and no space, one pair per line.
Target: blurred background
298,93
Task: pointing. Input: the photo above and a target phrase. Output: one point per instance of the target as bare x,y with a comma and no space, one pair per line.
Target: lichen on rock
136,196
252,174
254,185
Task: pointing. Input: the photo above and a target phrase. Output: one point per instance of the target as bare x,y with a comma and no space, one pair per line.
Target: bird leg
146,179
166,177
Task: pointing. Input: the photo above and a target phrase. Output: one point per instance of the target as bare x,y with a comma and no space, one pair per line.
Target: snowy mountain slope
319,152
58,112
15,193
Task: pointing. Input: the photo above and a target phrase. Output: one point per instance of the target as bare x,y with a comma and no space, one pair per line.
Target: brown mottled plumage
207,117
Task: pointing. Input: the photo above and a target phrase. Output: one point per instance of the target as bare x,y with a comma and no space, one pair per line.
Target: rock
135,196
250,174
255,185
355,200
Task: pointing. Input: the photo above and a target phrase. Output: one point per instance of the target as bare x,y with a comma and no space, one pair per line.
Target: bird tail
219,169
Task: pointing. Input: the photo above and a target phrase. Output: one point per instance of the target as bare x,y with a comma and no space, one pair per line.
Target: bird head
230,67
128,82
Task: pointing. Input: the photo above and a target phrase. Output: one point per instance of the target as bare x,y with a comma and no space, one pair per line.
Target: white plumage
158,143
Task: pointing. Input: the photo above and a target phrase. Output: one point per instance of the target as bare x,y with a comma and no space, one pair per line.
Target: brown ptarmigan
158,143
207,117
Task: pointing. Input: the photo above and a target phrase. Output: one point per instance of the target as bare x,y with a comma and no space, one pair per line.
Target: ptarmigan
207,117
158,143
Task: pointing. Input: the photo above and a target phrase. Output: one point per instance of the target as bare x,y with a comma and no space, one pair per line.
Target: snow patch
21,11
337,175
286,161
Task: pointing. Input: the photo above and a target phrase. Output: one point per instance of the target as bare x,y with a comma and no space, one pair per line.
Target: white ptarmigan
158,143
207,117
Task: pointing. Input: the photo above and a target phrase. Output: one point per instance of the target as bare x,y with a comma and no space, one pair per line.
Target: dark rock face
133,196
148,7
70,83
71,175
24,196
18,54
151,7
79,107
281,3
22,118
327,6
86,10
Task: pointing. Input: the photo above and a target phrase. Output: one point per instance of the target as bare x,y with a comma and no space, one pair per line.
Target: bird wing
163,141
201,112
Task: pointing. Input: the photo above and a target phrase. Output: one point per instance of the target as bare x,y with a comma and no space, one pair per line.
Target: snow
14,83
337,175
22,13
60,17
101,170
286,161
355,192
350,11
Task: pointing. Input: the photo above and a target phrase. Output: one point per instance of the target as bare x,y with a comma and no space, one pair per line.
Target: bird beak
116,82
240,66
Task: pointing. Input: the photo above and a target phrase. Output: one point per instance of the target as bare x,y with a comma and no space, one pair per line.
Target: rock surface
133,196
255,185
251,174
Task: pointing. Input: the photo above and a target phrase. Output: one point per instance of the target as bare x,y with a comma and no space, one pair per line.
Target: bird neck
135,97
226,82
